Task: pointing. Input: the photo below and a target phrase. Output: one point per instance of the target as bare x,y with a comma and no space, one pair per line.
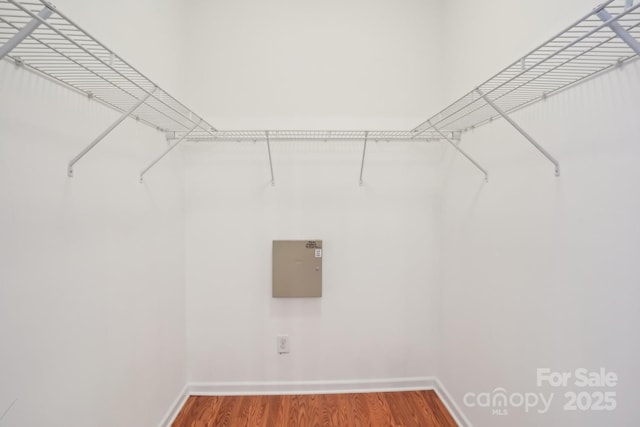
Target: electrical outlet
283,343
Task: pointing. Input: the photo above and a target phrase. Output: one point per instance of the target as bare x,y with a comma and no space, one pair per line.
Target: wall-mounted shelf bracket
364,152
168,150
618,29
521,131
107,131
273,181
25,31
461,151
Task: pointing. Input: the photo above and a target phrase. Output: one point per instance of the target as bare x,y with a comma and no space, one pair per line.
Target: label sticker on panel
318,253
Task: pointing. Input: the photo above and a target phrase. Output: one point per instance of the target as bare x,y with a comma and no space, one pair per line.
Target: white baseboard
237,388
451,405
310,387
175,408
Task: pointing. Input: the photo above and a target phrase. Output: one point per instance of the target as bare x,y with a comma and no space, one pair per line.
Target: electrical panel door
297,268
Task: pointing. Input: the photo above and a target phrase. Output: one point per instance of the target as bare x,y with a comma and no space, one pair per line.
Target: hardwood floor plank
197,410
240,414
259,411
283,411
346,409
361,410
406,409
329,410
309,410
224,415
379,408
394,408
274,403
440,412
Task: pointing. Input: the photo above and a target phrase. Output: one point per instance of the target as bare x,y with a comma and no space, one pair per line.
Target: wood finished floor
407,409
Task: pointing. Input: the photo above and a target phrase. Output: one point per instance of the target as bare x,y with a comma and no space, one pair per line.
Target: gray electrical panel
297,268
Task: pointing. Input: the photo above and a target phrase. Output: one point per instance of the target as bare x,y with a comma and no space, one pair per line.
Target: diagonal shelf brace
454,145
273,181
25,31
522,131
364,152
619,30
108,131
168,150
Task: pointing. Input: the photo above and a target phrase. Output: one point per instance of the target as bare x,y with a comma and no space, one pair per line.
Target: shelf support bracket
619,30
168,150
454,145
273,181
520,130
107,131
364,151
25,31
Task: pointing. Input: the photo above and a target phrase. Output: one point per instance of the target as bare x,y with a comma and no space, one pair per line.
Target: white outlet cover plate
282,342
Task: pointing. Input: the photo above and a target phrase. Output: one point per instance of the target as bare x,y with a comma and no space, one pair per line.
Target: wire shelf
584,49
61,50
304,135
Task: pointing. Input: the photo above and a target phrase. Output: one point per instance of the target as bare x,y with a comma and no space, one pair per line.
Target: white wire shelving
305,135
605,38
34,34
37,36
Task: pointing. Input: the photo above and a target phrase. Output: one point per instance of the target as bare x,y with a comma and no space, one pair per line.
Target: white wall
327,65
542,272
92,313
357,64
377,316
